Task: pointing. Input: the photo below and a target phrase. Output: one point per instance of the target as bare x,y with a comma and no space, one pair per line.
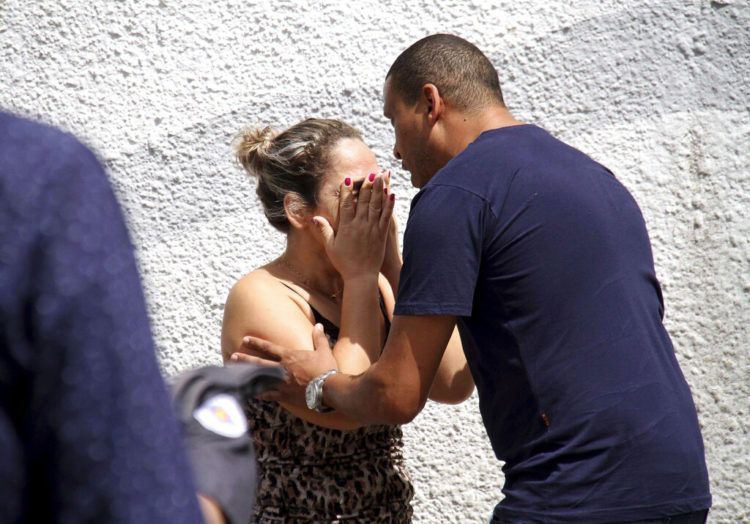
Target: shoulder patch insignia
222,414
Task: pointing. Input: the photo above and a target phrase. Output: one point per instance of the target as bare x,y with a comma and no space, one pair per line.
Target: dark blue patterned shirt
87,433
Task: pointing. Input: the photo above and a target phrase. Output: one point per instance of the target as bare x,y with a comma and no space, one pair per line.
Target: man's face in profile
411,132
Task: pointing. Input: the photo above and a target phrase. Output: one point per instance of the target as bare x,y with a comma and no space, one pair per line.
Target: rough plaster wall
657,91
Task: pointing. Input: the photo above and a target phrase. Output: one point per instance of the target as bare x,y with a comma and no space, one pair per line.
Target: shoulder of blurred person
87,433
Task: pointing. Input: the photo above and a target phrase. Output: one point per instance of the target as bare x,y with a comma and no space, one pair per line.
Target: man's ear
434,103
296,211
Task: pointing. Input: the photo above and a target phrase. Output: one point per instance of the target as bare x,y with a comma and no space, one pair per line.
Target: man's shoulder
488,165
444,195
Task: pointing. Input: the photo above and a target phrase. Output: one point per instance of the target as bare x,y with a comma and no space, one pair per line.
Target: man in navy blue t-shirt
542,258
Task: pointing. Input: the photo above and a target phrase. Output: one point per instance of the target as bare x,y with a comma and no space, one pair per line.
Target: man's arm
394,390
391,391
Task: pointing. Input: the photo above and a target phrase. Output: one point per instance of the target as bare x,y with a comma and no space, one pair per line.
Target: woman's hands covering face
358,246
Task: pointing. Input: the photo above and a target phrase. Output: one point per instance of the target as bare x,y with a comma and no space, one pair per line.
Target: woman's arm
259,305
453,381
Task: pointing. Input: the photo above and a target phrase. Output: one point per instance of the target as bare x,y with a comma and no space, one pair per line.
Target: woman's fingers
364,196
387,181
347,206
387,214
250,359
376,199
371,198
323,230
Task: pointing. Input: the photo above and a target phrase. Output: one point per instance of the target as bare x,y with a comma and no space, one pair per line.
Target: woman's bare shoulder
260,284
261,305
261,291
261,278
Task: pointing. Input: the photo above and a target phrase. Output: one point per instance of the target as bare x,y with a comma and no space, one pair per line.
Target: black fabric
224,468
331,329
694,517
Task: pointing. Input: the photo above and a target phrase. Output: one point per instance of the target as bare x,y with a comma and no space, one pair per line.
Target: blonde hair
294,161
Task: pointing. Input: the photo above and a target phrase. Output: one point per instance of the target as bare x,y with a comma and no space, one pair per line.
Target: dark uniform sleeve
442,252
83,399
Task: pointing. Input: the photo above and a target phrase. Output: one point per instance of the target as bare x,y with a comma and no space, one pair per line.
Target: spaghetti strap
331,329
290,288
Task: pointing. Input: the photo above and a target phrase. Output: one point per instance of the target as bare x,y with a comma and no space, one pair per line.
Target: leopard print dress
313,474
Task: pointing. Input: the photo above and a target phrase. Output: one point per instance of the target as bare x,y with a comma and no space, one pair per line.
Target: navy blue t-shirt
87,432
545,258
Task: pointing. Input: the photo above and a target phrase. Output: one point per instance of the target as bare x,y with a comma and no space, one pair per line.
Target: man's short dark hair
460,71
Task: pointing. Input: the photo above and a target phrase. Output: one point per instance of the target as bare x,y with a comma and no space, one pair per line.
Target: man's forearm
369,399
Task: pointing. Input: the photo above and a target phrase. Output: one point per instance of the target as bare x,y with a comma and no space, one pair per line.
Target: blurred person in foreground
542,258
87,432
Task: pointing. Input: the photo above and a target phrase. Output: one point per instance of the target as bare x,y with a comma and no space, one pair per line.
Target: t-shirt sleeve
442,252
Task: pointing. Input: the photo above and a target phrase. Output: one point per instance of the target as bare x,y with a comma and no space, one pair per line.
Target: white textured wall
658,91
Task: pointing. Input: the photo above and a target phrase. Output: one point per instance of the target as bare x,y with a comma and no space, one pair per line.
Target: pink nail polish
392,196
347,181
372,177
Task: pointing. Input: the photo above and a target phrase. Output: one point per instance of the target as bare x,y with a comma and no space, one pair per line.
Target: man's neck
466,127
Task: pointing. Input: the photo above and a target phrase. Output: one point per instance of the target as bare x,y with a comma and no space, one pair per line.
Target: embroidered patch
223,415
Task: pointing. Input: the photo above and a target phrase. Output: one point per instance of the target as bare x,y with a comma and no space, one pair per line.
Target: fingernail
392,196
245,340
234,357
372,177
385,189
347,181
319,327
313,221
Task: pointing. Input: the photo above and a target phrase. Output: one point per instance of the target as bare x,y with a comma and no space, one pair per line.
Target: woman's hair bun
253,147
293,162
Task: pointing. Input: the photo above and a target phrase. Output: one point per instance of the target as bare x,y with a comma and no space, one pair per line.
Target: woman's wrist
364,280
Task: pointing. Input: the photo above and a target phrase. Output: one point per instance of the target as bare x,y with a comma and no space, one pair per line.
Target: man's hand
300,366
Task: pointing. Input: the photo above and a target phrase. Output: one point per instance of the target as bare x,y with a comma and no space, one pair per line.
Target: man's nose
396,153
